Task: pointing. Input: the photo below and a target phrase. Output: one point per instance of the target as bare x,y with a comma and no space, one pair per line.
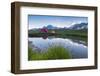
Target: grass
52,53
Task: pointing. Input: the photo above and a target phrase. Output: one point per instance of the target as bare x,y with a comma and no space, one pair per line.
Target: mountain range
78,26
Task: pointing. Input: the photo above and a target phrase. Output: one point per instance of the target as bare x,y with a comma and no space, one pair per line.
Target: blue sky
38,21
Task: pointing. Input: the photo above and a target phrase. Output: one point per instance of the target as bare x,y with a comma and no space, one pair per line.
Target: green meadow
52,53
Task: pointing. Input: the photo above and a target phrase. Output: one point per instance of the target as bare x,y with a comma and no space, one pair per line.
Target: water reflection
77,48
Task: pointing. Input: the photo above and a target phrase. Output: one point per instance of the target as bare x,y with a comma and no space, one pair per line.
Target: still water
77,48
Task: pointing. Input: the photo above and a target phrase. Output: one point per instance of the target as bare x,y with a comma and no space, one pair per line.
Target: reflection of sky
38,21
77,50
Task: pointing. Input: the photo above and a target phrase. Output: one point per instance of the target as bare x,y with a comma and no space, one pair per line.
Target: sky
38,21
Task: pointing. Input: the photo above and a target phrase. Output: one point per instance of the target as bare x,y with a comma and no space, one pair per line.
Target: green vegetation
61,32
79,33
52,53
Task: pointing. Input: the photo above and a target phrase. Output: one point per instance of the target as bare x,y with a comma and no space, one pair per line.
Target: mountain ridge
77,26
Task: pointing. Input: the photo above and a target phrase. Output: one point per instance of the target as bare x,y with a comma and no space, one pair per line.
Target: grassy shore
78,33
71,34
52,53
